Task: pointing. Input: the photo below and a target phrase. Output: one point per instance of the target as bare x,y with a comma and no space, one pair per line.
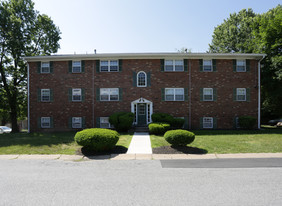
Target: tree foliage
23,32
268,39
247,32
234,34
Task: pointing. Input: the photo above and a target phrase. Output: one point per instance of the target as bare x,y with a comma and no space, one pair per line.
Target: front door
141,114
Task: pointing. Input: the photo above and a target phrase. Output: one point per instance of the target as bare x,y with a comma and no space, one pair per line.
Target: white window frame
45,120
208,122
237,94
211,66
49,96
244,64
173,65
76,90
46,67
109,92
74,66
105,121
109,65
76,122
204,91
138,83
174,94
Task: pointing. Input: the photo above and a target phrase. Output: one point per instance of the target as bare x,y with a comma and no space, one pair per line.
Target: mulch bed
179,150
115,150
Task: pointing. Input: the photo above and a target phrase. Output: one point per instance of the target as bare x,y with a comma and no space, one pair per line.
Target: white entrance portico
143,110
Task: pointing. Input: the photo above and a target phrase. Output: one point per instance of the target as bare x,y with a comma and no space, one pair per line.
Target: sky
136,26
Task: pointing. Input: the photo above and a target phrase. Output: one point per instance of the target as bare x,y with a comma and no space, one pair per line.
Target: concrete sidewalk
140,144
139,156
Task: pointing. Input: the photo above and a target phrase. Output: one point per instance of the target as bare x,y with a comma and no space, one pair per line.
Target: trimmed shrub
167,118
158,128
122,121
177,123
247,122
97,139
179,137
162,117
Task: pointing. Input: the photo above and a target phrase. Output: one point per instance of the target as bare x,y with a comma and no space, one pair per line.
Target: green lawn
233,141
46,143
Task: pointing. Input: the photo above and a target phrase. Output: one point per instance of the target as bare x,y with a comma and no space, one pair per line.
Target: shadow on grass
238,132
179,150
36,139
88,153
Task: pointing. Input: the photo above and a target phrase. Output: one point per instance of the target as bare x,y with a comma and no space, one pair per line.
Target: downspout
259,98
28,110
93,97
189,96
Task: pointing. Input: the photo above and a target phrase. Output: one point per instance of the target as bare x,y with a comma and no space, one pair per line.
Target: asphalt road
135,182
223,163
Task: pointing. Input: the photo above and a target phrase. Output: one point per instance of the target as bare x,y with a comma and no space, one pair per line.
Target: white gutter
143,56
28,110
259,97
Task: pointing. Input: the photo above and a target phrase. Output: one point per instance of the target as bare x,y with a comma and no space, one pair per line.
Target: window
240,65
207,122
76,66
141,79
45,95
142,109
104,122
241,94
148,112
45,122
174,65
208,94
76,122
207,65
109,94
45,67
109,66
76,95
174,94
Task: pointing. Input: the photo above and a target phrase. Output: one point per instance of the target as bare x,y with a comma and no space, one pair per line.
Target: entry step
141,129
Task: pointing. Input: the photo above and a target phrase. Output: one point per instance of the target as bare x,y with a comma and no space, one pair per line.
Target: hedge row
167,118
158,128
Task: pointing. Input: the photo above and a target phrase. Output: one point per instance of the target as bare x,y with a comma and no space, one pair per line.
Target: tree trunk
14,120
14,113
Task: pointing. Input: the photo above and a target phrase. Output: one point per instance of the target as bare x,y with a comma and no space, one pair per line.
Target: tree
247,32
4,110
184,50
267,33
234,34
23,32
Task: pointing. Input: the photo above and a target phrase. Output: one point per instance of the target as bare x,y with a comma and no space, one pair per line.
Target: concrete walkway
140,144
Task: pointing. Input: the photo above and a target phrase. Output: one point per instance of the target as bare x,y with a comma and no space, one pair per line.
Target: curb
139,156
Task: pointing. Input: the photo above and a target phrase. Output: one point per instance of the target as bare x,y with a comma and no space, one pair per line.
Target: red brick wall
60,109
224,79
124,80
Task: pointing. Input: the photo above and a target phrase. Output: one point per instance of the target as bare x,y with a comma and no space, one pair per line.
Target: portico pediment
141,100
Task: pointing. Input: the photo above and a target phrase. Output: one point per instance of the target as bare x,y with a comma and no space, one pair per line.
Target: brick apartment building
210,91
